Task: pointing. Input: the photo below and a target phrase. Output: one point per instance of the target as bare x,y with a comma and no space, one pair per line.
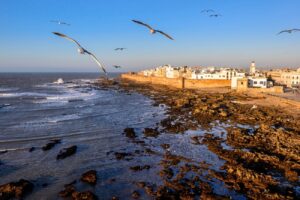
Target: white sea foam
22,94
48,121
5,89
59,81
63,118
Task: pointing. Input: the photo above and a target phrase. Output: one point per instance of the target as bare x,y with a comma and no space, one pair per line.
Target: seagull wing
97,61
164,34
296,29
284,31
143,24
54,21
66,37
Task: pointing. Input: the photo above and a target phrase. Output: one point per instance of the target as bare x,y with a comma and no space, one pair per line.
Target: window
261,82
255,82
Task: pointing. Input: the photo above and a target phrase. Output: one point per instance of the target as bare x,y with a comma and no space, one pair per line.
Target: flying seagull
152,30
81,50
60,22
121,49
289,31
207,11
117,66
215,15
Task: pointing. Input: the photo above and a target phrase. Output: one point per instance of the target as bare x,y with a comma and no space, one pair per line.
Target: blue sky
245,32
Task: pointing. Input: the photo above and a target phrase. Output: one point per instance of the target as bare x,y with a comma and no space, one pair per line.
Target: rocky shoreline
263,145
258,149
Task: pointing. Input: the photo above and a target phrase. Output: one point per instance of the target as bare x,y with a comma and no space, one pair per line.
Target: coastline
260,147
185,144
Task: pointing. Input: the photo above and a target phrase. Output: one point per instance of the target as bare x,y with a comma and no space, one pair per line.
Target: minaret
252,67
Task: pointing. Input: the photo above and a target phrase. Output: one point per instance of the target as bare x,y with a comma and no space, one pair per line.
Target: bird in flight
207,11
152,30
60,22
215,15
289,31
117,66
81,50
120,49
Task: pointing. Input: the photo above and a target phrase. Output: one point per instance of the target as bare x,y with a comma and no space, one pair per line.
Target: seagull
81,50
152,31
215,15
288,31
121,49
60,22
117,66
207,11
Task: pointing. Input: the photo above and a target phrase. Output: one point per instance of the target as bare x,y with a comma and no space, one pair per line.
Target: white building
291,79
172,72
257,82
221,74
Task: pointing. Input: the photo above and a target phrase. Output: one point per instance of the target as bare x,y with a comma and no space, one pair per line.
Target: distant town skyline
246,31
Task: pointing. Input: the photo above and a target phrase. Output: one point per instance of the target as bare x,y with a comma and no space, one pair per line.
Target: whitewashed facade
221,74
257,82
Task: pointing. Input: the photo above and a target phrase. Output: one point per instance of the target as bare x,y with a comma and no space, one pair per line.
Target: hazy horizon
246,31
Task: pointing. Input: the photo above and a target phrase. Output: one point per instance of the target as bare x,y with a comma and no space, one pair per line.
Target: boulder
87,195
150,132
66,152
129,132
89,177
15,189
50,145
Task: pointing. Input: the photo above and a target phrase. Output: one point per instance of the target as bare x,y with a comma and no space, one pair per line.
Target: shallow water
38,110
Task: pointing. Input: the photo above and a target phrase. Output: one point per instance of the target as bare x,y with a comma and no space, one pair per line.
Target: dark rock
75,100
129,132
140,168
89,177
31,149
15,189
135,194
141,184
66,152
50,145
167,172
69,189
165,146
87,195
122,155
44,185
150,132
3,152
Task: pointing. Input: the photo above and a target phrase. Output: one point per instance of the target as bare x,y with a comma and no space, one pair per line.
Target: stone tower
252,68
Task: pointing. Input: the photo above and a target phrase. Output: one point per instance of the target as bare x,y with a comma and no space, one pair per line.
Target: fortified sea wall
176,82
